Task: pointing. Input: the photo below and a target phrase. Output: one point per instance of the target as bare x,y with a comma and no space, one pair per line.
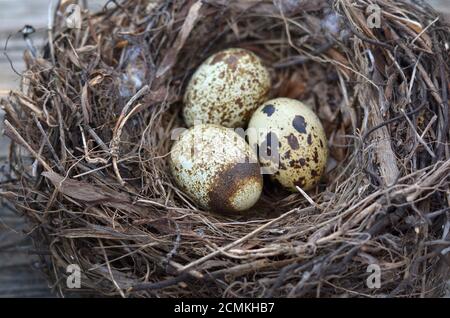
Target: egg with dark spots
268,110
302,153
226,89
299,124
216,168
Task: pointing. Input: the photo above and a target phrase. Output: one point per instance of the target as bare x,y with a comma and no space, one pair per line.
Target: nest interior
91,131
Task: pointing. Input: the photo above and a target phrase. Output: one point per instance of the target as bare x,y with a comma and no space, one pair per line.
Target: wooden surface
19,276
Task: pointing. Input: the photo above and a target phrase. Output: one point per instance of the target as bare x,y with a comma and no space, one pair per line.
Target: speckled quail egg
226,89
291,141
216,168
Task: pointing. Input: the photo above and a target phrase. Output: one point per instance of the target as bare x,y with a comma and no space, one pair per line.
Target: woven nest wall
91,131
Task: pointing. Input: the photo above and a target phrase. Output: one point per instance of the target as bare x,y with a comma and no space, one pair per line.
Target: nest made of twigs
91,134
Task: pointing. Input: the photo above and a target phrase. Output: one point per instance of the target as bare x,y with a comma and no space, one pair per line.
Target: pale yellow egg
292,142
226,89
216,168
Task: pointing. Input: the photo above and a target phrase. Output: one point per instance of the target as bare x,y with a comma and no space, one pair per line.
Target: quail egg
226,89
292,145
216,168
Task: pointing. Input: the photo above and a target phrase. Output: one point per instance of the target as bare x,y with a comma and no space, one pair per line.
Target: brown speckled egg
226,89
216,168
291,141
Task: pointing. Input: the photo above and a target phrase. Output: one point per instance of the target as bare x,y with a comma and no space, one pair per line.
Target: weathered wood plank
18,277
18,274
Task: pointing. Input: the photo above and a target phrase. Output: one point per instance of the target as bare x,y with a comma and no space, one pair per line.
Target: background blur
19,275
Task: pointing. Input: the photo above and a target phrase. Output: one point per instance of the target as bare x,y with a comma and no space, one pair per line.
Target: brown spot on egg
268,110
316,155
292,163
300,182
299,124
297,164
232,62
292,141
287,154
314,173
321,143
219,57
309,139
228,184
231,58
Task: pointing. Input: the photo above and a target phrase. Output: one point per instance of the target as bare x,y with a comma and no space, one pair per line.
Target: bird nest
91,133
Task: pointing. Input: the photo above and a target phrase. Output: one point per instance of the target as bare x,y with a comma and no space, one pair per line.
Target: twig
15,135
110,271
419,138
49,145
114,146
